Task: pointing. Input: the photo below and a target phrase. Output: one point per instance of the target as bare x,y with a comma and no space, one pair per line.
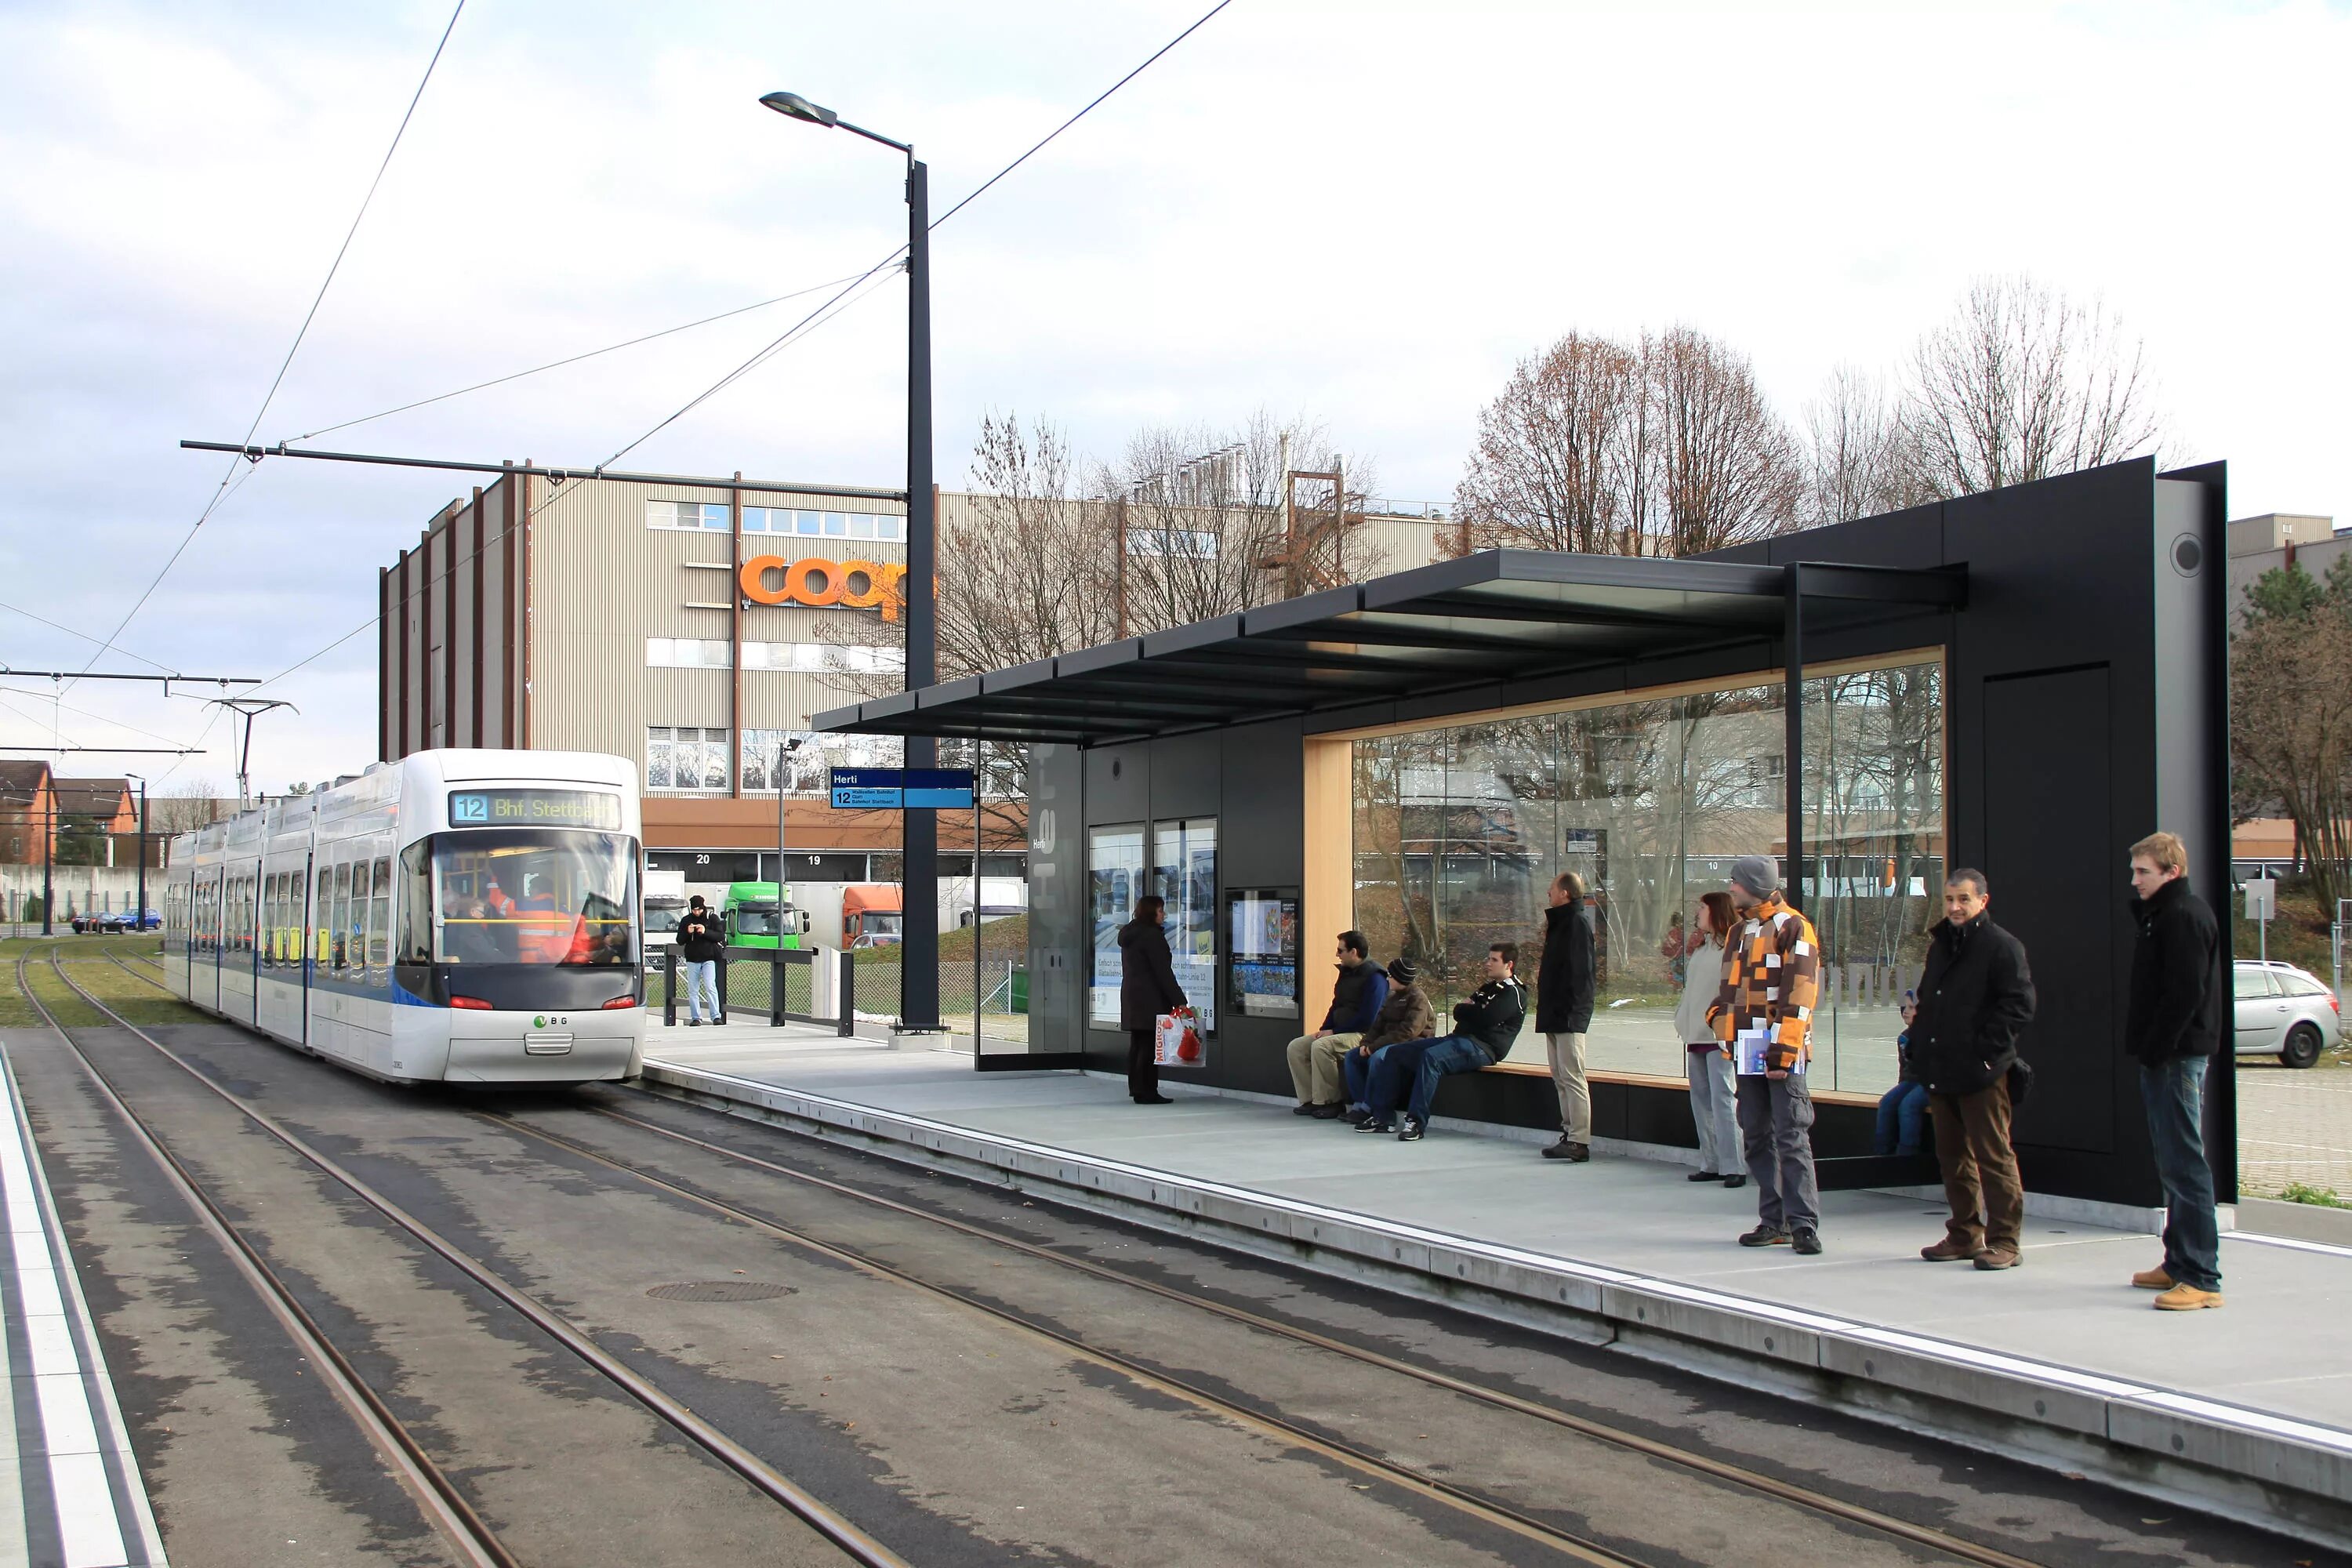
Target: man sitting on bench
1484,1029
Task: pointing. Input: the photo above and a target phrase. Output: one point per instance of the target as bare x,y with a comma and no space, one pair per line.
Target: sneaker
1765,1236
1704,1176
1374,1124
2154,1279
1807,1241
1993,1258
2187,1299
1302,1108
1734,1181
1949,1251
1575,1153
1356,1116
1413,1130
1325,1114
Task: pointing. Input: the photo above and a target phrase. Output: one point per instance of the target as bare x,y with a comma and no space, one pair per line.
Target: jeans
1900,1112
2175,1093
1776,1123
1357,1071
701,981
1420,1063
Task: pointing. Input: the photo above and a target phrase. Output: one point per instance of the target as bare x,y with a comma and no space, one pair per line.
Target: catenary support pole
919,993
1792,700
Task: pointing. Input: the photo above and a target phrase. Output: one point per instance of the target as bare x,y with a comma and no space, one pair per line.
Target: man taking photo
1976,996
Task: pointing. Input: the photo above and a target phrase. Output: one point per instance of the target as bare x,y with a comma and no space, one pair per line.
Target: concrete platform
2248,1409
70,1493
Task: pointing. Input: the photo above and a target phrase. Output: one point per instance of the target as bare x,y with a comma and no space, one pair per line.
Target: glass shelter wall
1459,831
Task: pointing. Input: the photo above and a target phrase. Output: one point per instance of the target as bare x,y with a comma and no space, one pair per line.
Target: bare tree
1548,470
1726,468
1032,576
1857,461
187,806
1667,447
2023,382
2291,733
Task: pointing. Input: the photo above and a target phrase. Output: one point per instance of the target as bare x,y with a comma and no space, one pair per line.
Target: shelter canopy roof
1498,615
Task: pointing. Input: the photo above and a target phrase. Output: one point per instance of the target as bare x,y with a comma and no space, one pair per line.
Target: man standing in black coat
1147,988
2172,1028
1976,996
1564,985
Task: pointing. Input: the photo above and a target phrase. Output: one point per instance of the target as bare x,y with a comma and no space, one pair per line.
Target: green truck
760,915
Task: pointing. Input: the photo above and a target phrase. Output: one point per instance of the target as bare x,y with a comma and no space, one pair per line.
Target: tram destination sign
896,789
534,809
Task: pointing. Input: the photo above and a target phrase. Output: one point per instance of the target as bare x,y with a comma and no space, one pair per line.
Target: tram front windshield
535,895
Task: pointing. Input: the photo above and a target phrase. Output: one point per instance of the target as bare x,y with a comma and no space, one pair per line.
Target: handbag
1175,1042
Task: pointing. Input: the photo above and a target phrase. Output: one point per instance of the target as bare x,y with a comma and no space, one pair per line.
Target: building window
823,658
804,767
699,515
684,757
686,653
825,525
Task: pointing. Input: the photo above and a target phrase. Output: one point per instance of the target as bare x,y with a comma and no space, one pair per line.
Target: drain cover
721,1291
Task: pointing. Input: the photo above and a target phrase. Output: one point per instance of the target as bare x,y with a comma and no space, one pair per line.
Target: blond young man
2172,1028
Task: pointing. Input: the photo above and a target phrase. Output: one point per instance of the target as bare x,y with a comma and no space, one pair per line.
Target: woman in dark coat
1147,988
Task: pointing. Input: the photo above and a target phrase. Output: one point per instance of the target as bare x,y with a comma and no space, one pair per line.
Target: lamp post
918,986
138,919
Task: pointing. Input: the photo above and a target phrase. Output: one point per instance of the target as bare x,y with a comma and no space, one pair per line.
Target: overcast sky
1362,214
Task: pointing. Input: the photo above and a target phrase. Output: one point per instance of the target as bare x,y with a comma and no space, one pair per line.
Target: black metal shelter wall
2087,707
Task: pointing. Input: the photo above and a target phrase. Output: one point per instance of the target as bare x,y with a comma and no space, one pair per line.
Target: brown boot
1999,1257
2153,1279
1949,1251
2187,1299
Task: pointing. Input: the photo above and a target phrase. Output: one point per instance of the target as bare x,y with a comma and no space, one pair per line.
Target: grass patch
2322,1197
129,992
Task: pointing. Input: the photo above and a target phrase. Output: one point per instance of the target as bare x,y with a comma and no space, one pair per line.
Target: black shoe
1807,1241
1153,1099
1704,1176
1413,1130
1766,1236
1375,1124
694,1022
1355,1118
1575,1153
1325,1114
1734,1181
1302,1108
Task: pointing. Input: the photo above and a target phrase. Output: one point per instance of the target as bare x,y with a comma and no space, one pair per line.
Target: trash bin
1019,991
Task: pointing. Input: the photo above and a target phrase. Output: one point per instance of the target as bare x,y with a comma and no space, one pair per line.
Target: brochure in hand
1747,1049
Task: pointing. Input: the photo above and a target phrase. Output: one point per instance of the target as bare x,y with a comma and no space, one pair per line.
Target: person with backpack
1976,996
701,940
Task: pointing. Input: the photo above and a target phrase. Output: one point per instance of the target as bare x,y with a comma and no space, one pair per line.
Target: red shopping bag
1175,1043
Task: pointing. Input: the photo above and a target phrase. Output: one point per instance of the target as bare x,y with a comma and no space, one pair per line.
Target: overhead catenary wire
84,637
222,492
764,354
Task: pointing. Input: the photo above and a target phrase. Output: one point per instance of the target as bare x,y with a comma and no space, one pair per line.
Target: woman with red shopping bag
1147,988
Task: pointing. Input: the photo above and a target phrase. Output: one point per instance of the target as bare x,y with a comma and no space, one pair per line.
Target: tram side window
356,932
339,920
416,903
379,923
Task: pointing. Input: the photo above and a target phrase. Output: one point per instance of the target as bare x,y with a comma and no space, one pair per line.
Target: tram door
302,943
204,980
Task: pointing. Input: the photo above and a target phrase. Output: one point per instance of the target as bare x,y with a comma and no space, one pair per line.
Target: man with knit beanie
1764,1014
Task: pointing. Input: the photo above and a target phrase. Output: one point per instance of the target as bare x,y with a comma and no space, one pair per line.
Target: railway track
444,1503
1489,1510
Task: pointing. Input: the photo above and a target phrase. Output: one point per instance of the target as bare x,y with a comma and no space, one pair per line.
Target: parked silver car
2284,1010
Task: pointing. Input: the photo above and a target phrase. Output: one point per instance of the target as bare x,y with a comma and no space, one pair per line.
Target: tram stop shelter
2024,681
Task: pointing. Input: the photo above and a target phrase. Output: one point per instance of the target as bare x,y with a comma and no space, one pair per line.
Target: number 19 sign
897,789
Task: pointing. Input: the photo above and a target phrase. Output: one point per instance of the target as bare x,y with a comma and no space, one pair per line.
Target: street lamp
139,921
919,993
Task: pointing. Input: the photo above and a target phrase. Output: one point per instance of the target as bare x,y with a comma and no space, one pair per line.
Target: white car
2283,1011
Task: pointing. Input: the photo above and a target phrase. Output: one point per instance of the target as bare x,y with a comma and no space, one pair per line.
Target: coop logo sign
820,585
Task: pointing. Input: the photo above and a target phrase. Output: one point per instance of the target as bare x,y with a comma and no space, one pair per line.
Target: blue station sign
896,789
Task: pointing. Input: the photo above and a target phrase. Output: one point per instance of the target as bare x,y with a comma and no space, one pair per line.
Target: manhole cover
721,1291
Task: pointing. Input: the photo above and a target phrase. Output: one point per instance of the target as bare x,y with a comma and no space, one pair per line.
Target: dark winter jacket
1405,1016
701,937
1147,977
1356,998
1564,978
1976,996
1493,1016
2175,977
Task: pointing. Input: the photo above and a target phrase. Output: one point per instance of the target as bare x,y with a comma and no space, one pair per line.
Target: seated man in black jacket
1484,1029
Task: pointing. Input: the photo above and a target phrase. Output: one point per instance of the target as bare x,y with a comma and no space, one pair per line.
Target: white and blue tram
456,916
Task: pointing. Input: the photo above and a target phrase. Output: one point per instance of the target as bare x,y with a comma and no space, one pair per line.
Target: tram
467,917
